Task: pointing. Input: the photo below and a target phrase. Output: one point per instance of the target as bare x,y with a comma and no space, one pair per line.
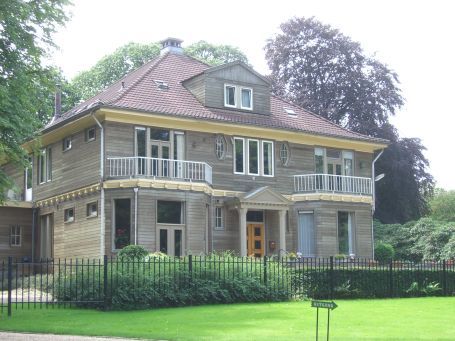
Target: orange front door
255,239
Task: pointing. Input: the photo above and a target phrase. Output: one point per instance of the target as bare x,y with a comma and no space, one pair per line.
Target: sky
414,38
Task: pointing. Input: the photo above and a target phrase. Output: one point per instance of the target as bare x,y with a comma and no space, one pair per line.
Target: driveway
53,337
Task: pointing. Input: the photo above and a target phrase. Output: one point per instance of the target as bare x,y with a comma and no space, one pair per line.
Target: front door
170,241
255,239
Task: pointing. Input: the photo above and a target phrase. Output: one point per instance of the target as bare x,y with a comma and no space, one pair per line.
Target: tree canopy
442,205
26,29
215,54
326,72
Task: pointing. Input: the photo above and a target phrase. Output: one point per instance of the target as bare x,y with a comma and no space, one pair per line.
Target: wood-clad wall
15,216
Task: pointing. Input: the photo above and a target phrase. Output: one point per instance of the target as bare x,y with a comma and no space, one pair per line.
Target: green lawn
397,319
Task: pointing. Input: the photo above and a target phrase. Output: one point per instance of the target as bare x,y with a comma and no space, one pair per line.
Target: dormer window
238,97
229,96
247,98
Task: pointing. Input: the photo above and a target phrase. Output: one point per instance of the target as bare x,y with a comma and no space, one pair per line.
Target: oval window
284,154
220,147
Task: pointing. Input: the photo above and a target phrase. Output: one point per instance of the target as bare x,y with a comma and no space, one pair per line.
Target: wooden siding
196,86
15,216
71,169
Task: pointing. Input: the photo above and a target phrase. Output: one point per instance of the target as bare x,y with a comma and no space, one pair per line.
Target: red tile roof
140,92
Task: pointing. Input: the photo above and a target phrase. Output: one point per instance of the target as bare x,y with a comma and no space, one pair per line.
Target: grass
388,319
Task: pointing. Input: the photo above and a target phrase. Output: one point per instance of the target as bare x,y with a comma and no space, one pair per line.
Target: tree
324,71
128,57
26,29
442,205
215,54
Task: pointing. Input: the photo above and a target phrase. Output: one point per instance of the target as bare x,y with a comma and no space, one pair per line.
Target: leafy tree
443,205
319,68
26,29
215,54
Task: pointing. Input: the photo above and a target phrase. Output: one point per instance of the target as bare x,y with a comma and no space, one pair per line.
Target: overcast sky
415,38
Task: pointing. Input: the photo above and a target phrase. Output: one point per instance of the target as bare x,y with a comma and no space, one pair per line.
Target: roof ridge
322,117
154,62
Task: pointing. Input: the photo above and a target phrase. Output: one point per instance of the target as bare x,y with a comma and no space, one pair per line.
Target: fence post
444,277
105,282
265,270
331,274
391,278
190,265
10,283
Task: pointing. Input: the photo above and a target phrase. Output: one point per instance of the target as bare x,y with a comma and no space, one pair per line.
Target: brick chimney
58,102
171,45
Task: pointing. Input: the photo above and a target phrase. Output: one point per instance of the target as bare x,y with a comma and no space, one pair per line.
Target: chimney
171,45
58,102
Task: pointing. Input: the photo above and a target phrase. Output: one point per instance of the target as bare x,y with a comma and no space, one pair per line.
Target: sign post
324,305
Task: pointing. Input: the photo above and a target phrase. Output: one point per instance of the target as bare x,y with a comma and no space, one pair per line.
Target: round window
220,147
284,154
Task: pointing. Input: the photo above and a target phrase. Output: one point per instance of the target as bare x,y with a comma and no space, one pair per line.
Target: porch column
242,225
282,230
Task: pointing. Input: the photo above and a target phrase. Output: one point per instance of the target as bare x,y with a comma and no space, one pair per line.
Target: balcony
327,183
148,167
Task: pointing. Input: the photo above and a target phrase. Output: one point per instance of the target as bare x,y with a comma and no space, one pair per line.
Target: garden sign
325,305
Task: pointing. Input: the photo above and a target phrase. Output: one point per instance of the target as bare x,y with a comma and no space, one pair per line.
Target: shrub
133,252
384,252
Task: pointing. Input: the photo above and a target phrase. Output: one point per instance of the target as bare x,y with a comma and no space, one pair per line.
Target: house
182,157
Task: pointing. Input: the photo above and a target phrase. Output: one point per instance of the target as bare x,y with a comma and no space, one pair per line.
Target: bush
133,252
384,253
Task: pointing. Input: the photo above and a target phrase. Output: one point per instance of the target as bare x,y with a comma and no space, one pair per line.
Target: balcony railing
332,184
134,167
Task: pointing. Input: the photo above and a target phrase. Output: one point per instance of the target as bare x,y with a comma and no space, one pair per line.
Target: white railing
137,166
332,184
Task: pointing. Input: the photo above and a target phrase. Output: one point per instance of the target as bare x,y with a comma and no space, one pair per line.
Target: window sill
92,216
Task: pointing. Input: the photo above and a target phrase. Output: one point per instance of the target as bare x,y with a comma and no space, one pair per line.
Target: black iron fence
113,283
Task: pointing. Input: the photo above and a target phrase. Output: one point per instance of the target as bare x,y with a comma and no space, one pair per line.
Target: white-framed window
219,218
246,100
230,95
92,209
90,134
169,212
68,215
267,158
253,157
346,241
67,143
45,165
348,163
239,155
15,235
284,154
220,147
122,223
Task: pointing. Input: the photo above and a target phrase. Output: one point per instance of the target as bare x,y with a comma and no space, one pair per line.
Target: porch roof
260,198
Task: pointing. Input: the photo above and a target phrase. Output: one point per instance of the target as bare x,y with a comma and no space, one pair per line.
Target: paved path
53,337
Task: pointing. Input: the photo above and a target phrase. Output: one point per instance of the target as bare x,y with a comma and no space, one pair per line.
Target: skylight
290,112
162,85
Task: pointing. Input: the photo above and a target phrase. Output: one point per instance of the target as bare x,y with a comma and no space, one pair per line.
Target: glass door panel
171,241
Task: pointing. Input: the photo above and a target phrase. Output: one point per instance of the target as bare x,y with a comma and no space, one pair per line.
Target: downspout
373,187
102,218
136,189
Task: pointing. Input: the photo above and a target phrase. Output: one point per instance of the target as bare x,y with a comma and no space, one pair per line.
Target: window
284,154
169,212
345,233
348,163
267,158
68,215
220,147
45,165
229,96
141,150
15,236
247,98
28,175
90,134
319,160
253,157
67,143
159,134
219,218
92,209
239,155
122,223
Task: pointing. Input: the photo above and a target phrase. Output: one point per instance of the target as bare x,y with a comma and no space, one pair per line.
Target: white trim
258,157
272,159
235,96
219,227
235,155
15,234
241,98
71,219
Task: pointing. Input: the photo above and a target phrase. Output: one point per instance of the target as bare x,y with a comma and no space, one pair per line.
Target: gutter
373,185
102,217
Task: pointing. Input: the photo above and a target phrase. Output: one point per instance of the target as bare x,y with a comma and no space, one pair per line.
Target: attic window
290,112
162,85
